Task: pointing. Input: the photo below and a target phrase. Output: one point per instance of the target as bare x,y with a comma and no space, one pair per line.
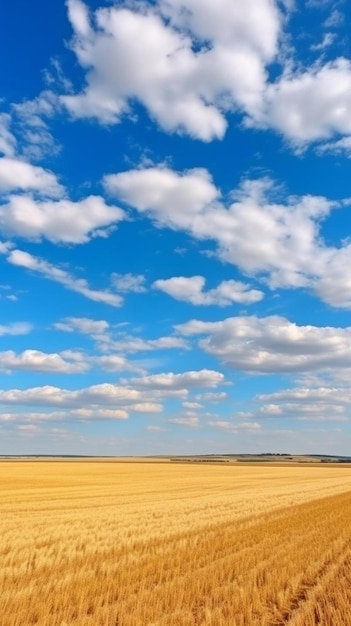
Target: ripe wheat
117,544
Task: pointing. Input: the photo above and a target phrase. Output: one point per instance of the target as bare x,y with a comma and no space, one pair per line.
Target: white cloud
62,221
115,363
65,362
212,396
111,340
185,380
86,399
28,428
37,361
314,404
177,382
56,274
192,405
307,395
107,362
98,414
147,53
35,138
334,286
191,289
169,197
328,39
83,325
146,407
340,146
277,242
15,328
131,343
190,62
19,175
235,427
287,232
256,25
7,139
5,291
138,395
311,105
318,4
5,247
272,344
250,426
168,392
191,421
126,283
335,19
68,416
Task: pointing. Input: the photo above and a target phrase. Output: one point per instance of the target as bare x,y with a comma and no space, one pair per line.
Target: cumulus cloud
320,412
191,421
311,105
61,221
331,395
16,174
140,395
37,361
146,407
111,340
98,414
212,396
15,328
34,138
235,427
5,290
7,139
70,416
187,62
318,4
190,62
328,39
105,394
185,380
132,343
115,363
272,344
338,146
313,404
335,19
334,285
191,289
6,246
56,274
34,205
166,195
192,405
125,283
64,362
83,325
276,241
287,232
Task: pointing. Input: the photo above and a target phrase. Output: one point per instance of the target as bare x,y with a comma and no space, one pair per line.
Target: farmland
162,544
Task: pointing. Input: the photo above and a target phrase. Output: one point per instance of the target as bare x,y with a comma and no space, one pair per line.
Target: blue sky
175,233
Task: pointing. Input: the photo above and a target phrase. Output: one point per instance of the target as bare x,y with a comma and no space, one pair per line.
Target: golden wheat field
151,544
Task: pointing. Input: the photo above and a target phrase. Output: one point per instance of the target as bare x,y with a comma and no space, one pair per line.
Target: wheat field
157,544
